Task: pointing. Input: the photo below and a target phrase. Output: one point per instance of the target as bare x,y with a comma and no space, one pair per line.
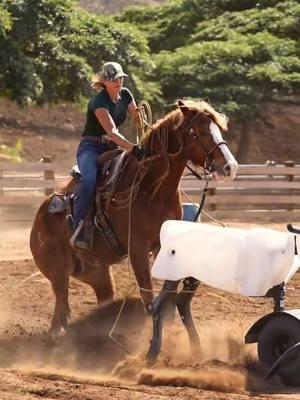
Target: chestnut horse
191,132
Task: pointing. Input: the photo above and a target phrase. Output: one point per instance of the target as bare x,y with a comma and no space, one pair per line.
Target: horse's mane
202,106
175,118
172,119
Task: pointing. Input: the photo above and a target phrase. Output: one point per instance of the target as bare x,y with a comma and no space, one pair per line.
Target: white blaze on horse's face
230,168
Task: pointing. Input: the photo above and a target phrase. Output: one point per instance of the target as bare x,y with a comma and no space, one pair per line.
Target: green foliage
165,26
5,21
239,54
169,26
12,153
238,75
282,20
54,47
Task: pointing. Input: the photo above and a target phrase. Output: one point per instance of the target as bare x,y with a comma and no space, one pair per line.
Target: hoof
151,357
54,330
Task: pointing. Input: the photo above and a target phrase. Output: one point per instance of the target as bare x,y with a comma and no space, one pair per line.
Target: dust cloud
86,347
223,364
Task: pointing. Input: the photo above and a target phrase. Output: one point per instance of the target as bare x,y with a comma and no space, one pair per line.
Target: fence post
1,187
212,192
48,174
270,163
290,178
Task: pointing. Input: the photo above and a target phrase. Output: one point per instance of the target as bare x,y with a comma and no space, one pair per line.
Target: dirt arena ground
90,365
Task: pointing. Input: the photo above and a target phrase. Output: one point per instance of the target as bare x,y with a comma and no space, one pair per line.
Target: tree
53,47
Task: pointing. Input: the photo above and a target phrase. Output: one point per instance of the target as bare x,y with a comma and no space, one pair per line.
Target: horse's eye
200,132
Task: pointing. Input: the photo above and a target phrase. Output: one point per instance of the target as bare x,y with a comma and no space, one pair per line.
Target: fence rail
271,192
28,180
259,191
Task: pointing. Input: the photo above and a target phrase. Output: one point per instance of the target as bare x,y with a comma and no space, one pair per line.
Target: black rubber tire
279,334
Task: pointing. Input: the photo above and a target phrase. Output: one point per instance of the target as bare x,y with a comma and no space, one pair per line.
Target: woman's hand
139,151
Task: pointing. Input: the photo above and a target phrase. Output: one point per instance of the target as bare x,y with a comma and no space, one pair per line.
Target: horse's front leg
160,305
139,258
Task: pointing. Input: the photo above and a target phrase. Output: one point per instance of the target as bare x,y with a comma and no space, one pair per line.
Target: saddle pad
247,262
58,203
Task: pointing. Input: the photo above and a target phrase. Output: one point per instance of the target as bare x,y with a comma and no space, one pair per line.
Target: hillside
55,130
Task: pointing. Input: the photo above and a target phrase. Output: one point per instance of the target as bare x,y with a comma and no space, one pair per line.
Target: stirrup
69,221
77,243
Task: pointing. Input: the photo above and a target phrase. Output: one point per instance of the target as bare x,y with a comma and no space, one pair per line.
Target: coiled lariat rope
141,125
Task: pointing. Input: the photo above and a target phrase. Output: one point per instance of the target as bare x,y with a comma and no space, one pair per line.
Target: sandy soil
90,365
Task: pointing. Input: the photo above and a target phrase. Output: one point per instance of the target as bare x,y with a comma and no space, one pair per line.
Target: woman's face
115,85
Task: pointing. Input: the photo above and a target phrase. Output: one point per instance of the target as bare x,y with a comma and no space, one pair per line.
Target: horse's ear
183,107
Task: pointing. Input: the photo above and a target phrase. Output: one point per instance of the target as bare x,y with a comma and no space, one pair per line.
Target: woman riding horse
191,132
106,111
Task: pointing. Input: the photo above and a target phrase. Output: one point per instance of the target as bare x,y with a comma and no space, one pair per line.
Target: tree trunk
243,145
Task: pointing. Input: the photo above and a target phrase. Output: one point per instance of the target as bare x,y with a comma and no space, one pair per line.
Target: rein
201,204
205,190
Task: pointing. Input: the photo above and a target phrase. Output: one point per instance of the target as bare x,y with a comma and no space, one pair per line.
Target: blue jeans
87,155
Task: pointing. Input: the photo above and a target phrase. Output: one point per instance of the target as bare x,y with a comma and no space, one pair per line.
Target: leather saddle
111,166
110,169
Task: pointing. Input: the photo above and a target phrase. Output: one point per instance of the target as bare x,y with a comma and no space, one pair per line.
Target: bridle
208,169
196,137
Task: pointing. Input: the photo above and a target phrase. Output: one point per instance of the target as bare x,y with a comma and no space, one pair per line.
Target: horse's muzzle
227,171
230,169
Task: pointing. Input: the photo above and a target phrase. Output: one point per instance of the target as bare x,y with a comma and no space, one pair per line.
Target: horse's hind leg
183,302
60,285
53,263
52,255
101,280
